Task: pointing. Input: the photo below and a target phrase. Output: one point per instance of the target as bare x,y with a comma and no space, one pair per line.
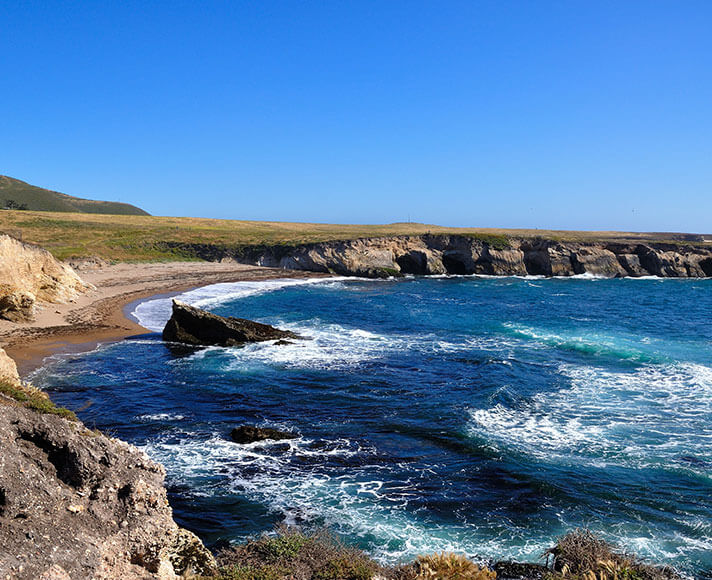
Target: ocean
481,415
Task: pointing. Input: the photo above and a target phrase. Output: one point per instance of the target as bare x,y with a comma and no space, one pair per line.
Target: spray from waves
336,347
296,481
153,314
654,416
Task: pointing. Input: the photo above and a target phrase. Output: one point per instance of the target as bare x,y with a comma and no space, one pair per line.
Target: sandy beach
99,315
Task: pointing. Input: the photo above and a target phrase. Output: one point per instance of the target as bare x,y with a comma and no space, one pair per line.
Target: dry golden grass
448,566
582,555
138,238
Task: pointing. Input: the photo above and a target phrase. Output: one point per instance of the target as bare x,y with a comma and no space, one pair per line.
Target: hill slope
19,193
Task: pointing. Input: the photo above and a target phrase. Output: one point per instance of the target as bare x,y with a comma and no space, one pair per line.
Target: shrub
494,241
448,566
294,555
284,546
346,568
581,554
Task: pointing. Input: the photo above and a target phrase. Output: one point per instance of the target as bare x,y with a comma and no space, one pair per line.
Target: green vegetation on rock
582,555
32,398
293,555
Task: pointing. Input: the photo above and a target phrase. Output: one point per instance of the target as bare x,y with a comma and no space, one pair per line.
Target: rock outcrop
460,254
191,325
8,370
76,504
249,434
29,275
486,255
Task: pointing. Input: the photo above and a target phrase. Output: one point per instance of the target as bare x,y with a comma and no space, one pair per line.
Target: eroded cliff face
75,504
29,274
8,370
442,254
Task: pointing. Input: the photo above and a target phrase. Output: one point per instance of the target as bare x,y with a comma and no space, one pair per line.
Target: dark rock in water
249,434
282,342
192,325
520,571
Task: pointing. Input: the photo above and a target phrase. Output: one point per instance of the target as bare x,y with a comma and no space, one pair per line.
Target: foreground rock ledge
192,325
76,504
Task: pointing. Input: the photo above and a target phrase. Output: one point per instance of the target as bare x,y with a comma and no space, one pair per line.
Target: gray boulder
192,325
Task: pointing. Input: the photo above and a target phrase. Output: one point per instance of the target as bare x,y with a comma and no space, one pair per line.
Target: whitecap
153,314
160,417
292,478
655,415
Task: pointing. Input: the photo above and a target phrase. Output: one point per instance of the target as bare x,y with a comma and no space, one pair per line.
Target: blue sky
566,114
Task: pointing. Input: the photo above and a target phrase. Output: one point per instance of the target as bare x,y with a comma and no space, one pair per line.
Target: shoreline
101,314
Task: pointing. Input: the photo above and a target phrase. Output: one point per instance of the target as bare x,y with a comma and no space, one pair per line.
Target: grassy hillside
18,194
139,238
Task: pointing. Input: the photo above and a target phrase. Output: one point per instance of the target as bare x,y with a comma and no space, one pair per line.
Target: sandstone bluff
29,274
462,254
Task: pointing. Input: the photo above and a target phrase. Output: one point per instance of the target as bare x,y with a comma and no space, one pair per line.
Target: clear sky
549,114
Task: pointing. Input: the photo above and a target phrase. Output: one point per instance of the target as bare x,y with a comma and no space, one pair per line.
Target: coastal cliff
74,503
30,274
433,254
77,504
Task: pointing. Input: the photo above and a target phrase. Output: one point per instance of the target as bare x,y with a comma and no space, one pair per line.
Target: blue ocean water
481,415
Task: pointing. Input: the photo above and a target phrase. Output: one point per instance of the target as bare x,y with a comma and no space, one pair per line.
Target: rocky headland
437,254
76,504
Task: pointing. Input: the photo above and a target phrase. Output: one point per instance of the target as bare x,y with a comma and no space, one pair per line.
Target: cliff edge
30,274
487,255
75,504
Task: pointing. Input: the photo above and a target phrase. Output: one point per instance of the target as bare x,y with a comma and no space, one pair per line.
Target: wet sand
102,314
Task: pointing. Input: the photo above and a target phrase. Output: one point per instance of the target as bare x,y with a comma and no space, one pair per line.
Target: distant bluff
16,194
438,254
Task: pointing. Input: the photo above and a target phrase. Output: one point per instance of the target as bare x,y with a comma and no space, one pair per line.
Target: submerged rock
250,434
192,325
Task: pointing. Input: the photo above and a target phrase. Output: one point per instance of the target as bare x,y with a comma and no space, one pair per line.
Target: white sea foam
153,314
337,347
292,478
160,417
656,415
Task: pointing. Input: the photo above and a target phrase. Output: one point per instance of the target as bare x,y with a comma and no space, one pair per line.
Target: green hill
16,194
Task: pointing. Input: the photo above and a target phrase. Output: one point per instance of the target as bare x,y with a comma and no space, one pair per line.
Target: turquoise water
482,415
